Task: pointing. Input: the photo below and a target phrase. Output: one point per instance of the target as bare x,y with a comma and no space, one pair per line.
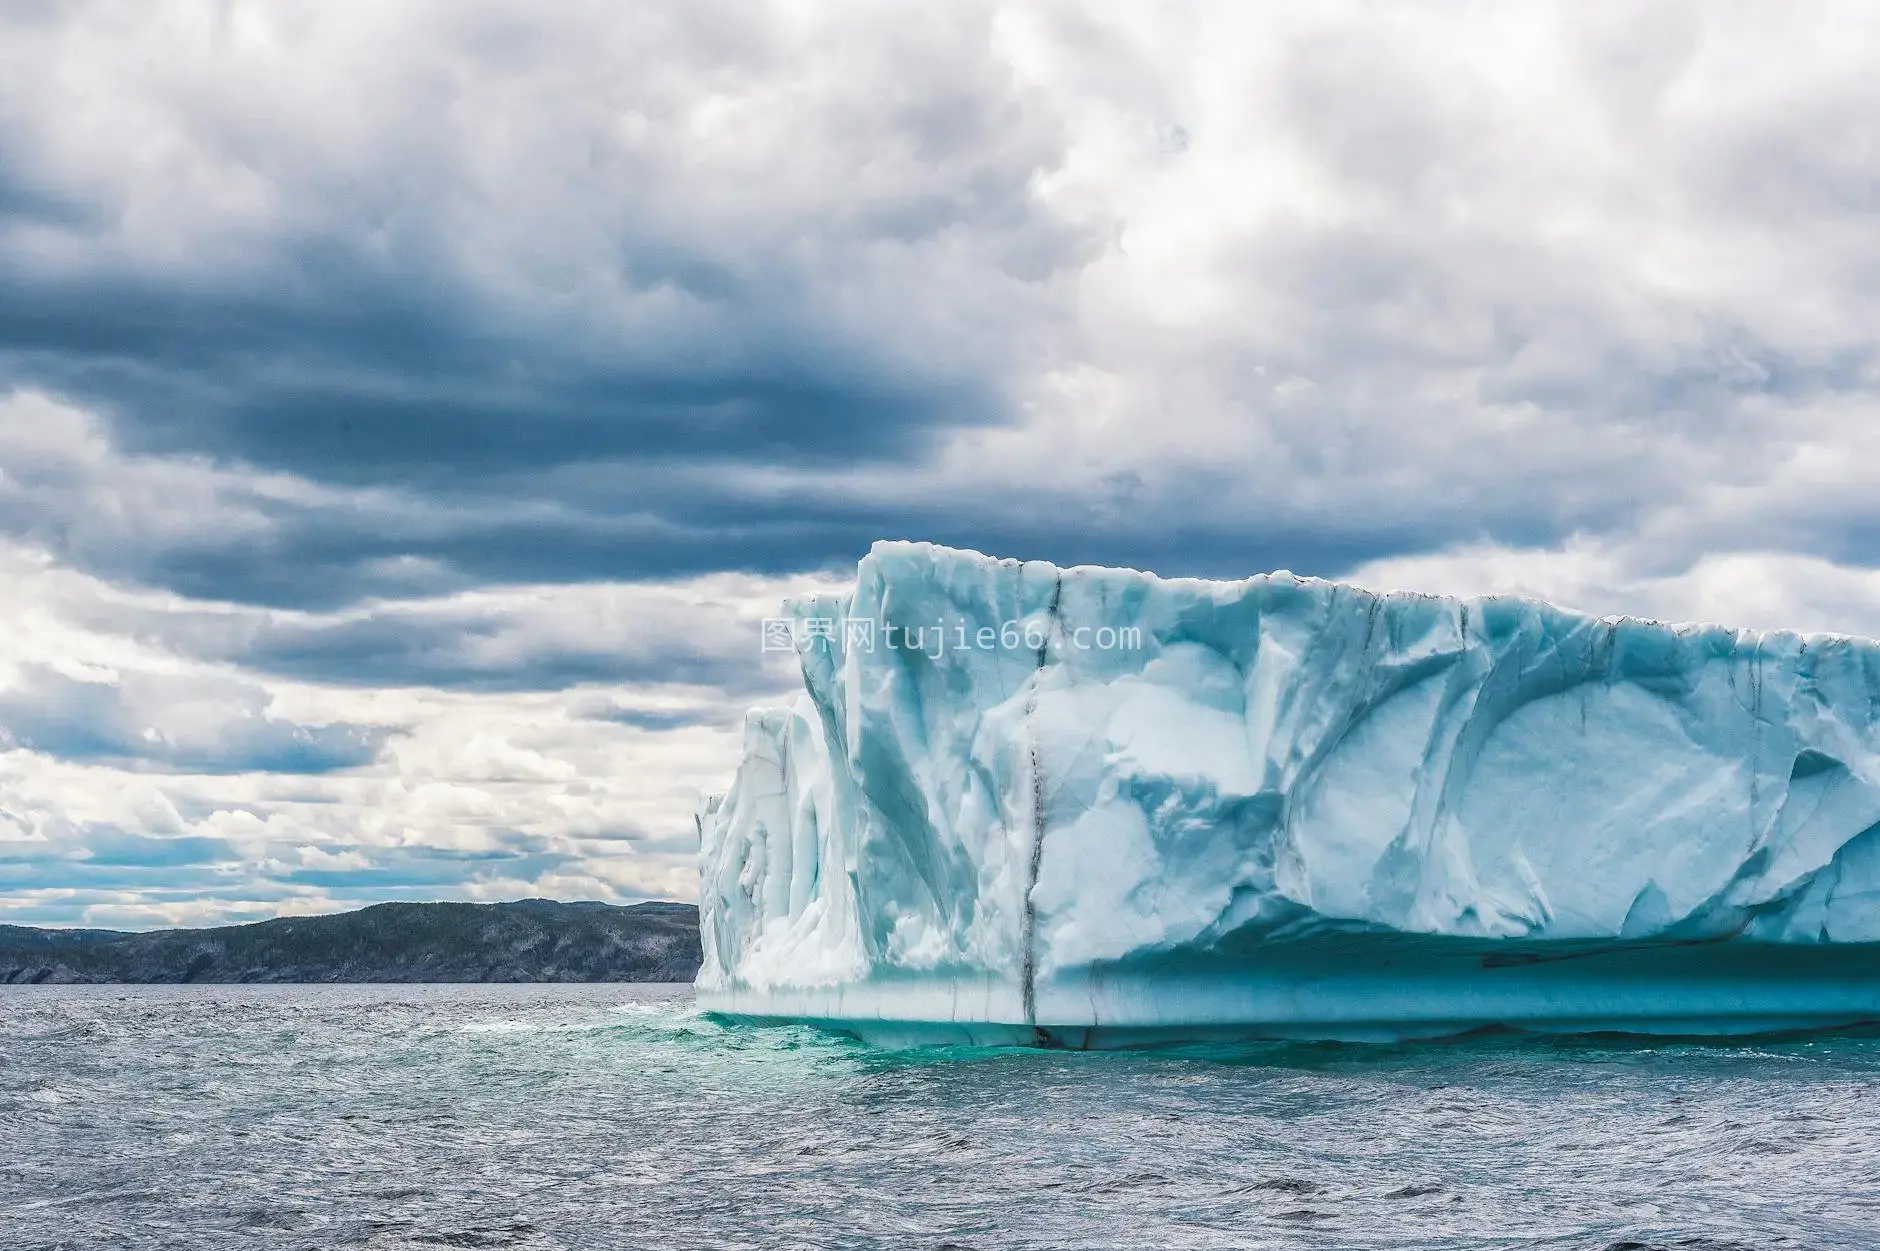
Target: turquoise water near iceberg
619,1116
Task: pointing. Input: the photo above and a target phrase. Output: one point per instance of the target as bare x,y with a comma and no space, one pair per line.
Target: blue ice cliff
1092,807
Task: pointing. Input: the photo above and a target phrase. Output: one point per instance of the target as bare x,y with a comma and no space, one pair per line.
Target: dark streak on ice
1028,968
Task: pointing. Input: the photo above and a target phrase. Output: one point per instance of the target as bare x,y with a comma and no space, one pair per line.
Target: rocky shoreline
532,940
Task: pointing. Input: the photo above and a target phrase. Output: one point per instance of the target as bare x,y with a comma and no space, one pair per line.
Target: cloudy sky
408,409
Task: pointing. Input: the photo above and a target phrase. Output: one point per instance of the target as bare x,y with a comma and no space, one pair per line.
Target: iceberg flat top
1011,785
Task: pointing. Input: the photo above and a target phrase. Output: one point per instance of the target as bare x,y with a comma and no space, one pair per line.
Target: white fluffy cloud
146,777
1752,590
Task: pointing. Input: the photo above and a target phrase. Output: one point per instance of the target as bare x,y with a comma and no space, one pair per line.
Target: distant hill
533,940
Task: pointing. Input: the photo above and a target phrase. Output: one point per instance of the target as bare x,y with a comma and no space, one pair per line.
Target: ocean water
619,1116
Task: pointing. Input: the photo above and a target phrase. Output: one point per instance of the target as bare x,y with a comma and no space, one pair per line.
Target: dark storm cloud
317,566
658,720
196,725
107,848
491,652
497,641
325,557
497,279
321,548
344,375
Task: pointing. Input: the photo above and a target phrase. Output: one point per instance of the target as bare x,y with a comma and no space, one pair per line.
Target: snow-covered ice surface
1093,807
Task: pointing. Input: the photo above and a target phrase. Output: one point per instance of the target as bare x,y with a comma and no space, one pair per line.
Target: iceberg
1092,807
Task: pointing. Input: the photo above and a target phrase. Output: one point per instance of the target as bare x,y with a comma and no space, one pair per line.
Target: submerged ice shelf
1088,807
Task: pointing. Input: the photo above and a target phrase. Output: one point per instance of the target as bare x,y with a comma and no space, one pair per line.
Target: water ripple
588,1117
